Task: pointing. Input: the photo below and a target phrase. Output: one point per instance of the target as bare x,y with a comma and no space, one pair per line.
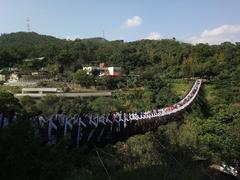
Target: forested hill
96,39
34,39
26,39
166,57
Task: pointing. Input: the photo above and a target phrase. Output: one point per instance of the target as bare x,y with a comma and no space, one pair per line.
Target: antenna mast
28,24
103,34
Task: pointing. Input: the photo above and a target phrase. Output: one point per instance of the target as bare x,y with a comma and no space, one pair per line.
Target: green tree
8,103
105,105
83,78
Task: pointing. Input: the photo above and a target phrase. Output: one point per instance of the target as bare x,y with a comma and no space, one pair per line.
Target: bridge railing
191,97
181,105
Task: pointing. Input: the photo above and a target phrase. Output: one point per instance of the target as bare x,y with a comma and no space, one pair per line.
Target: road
68,95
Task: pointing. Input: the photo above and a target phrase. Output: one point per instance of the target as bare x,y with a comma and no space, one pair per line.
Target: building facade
104,70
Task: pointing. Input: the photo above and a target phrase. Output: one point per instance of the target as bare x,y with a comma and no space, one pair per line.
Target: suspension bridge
100,130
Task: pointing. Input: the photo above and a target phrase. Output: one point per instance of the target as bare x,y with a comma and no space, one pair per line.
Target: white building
104,70
14,77
114,71
2,77
89,69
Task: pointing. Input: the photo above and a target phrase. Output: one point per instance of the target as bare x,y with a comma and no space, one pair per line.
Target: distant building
3,78
34,59
39,75
89,69
12,69
104,70
115,71
14,77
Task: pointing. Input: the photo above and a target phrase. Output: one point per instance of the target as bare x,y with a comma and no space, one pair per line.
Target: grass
210,92
11,89
181,88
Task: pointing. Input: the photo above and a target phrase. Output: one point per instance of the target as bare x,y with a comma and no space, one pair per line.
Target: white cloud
154,36
72,38
218,35
133,22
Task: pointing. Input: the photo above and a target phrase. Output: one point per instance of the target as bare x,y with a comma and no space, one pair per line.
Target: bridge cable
202,171
109,177
179,162
172,157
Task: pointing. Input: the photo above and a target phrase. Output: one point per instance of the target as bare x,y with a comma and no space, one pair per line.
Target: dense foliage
208,133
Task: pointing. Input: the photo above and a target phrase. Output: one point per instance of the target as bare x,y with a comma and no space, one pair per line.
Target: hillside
28,39
159,74
168,58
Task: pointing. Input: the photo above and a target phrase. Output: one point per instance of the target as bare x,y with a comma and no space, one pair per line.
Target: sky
193,21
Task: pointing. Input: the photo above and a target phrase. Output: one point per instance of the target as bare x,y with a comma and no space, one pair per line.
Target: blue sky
211,21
